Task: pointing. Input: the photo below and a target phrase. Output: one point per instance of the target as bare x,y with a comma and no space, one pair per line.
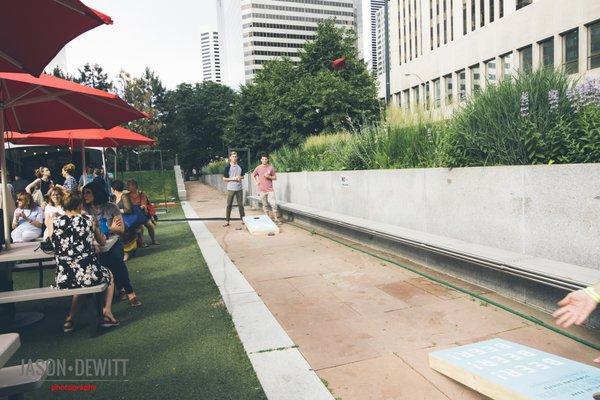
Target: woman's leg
150,227
73,309
29,235
113,260
108,298
17,234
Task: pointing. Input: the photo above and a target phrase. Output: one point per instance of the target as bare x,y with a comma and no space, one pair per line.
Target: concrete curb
282,371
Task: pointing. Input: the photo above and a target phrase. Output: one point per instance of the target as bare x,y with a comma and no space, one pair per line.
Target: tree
94,76
58,72
147,94
195,120
289,101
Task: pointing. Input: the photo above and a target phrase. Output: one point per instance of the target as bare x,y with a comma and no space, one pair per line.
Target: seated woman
27,220
133,218
140,199
110,220
54,208
77,265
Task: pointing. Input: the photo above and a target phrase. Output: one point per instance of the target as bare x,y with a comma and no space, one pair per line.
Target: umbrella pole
4,182
83,163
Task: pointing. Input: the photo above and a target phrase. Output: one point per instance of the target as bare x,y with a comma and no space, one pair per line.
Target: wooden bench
548,272
18,296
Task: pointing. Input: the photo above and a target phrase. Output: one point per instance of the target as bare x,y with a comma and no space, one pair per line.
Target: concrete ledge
181,191
553,273
282,371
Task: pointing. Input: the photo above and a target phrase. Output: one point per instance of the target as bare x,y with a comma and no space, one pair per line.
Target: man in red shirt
264,175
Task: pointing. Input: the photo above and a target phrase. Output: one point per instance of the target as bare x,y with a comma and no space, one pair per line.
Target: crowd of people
92,226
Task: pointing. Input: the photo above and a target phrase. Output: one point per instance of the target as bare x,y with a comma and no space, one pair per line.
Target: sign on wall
345,181
503,370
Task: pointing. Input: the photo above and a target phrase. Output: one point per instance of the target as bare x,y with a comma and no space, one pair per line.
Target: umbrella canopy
115,137
32,32
47,103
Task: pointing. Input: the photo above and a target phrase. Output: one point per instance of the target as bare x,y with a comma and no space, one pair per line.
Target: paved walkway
364,326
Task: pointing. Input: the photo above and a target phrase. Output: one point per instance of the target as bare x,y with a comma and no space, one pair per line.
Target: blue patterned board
260,225
502,369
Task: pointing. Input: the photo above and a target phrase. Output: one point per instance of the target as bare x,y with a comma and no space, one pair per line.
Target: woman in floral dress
77,264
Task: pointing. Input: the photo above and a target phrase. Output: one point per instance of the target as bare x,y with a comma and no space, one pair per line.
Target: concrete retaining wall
551,212
181,191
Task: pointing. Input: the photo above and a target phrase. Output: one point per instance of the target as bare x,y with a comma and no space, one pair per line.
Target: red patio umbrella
47,103
79,138
32,32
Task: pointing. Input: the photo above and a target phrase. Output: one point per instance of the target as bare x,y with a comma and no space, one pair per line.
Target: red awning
32,32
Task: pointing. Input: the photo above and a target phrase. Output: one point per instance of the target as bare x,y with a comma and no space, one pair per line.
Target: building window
462,85
492,16
526,58
439,36
475,79
445,22
449,89
398,99
547,53
491,74
594,56
431,22
481,12
523,3
501,8
417,95
437,93
427,95
571,51
473,11
406,102
506,62
465,24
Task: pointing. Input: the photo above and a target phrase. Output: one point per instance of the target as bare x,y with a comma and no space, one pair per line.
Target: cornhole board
503,370
260,225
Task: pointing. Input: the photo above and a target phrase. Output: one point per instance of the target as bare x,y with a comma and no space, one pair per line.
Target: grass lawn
152,183
180,344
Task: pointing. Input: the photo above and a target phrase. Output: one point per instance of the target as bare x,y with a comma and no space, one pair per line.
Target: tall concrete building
378,59
375,7
269,29
442,51
229,21
211,57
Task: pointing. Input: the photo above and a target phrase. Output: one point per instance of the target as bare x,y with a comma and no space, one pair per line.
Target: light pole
418,77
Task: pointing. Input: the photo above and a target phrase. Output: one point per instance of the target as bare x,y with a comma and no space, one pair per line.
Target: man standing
233,175
264,175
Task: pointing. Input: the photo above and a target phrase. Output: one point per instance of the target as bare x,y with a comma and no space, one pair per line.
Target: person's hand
239,178
22,215
96,248
575,309
267,175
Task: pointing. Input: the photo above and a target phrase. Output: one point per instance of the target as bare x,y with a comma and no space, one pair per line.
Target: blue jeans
113,260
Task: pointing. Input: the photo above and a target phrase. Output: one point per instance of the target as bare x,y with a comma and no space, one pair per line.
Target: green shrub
214,167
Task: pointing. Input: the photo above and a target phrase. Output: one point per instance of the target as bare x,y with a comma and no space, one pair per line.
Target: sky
161,35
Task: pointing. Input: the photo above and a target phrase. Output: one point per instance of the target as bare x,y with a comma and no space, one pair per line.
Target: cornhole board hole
260,225
504,370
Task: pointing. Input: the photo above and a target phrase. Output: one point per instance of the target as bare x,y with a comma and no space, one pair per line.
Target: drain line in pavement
443,282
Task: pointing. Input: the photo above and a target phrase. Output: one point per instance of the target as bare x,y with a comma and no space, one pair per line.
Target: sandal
226,224
122,295
155,243
107,323
68,326
135,302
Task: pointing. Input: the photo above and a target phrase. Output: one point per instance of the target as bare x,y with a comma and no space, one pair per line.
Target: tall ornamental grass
536,117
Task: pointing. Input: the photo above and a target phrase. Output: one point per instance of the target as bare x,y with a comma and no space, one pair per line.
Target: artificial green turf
151,183
181,343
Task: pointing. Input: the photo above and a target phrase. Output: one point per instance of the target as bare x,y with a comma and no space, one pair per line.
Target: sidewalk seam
281,369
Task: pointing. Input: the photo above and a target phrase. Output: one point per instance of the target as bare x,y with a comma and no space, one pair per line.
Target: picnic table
12,321
13,381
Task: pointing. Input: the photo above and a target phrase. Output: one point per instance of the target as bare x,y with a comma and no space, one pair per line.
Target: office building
273,29
442,51
211,58
375,7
